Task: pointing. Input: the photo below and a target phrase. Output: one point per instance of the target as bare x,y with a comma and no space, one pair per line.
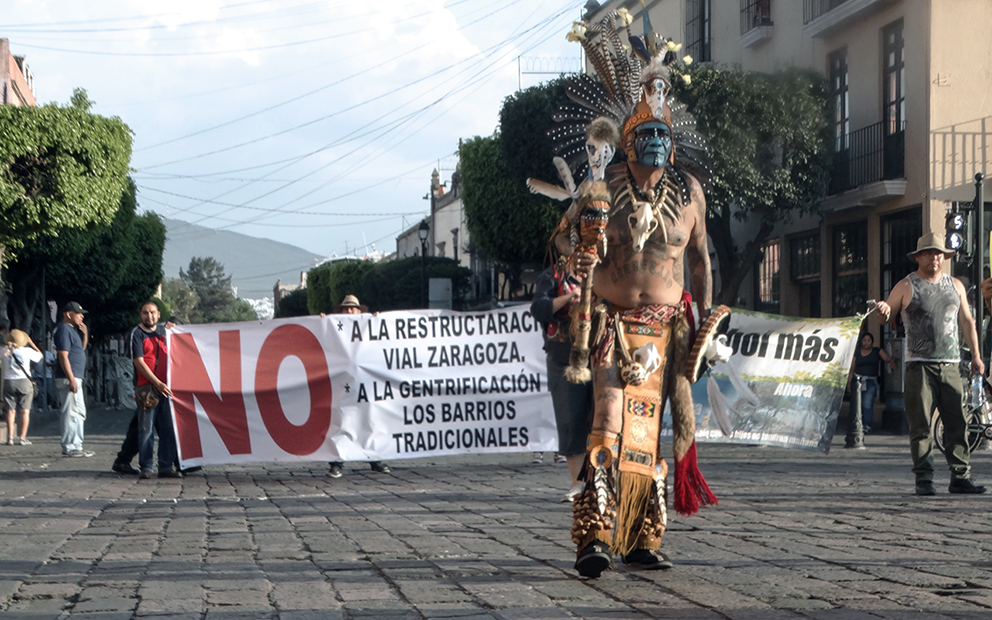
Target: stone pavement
796,535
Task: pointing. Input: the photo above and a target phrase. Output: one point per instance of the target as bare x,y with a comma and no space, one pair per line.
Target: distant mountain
254,264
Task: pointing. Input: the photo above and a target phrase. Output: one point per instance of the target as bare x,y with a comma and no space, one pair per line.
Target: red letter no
225,410
299,342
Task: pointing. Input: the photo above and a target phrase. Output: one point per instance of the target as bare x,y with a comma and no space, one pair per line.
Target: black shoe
335,470
648,559
380,467
124,468
145,474
169,473
593,560
925,488
965,485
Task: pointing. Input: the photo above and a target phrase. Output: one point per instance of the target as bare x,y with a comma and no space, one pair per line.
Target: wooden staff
594,210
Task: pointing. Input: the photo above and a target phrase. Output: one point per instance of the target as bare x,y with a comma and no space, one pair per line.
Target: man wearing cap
933,306
71,337
351,305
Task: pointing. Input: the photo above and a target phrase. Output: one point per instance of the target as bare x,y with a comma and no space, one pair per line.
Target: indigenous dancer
642,325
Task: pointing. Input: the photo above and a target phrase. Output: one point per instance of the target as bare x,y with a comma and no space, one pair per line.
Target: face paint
653,144
599,154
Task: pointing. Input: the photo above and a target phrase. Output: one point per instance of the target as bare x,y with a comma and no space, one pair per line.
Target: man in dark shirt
71,337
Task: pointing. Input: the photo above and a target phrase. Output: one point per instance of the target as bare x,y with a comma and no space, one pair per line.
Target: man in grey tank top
933,306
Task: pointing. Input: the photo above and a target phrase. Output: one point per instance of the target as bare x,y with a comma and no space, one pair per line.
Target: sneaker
572,493
965,485
25,441
593,560
560,458
925,488
145,474
169,473
538,458
380,467
124,468
335,471
78,454
648,559
10,441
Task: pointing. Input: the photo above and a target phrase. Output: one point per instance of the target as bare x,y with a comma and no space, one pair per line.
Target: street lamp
423,232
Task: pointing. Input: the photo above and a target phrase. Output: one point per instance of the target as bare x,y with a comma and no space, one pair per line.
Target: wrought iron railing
872,155
817,8
755,13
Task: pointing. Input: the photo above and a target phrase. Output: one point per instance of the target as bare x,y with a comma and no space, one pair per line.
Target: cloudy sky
313,122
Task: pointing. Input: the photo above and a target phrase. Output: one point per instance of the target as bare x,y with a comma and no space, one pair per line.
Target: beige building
448,236
910,80
16,79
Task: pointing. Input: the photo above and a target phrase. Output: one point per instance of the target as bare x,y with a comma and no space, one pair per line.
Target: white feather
537,186
565,173
719,406
742,389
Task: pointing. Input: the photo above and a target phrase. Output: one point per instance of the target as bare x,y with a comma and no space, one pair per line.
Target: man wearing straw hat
351,305
933,306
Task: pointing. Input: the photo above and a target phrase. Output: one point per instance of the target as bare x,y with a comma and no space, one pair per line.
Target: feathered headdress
620,87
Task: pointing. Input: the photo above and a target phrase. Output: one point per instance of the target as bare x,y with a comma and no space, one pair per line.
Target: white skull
599,153
718,351
642,223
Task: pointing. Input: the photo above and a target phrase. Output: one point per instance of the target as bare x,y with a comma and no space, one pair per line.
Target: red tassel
691,489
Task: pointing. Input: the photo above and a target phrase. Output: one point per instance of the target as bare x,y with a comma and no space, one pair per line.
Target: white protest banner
783,384
359,387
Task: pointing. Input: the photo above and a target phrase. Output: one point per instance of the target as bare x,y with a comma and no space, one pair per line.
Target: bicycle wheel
974,434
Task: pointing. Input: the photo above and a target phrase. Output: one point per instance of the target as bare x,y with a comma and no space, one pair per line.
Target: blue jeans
150,422
869,390
73,415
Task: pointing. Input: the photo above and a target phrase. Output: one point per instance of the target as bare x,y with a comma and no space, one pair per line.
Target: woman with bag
18,388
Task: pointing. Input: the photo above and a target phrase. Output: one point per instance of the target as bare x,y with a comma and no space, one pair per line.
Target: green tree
769,141
108,268
510,224
60,168
293,303
327,284
181,298
391,285
217,302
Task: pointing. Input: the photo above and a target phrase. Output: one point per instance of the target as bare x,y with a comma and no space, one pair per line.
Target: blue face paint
653,144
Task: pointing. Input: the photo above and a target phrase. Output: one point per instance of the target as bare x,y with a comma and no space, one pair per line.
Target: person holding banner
865,365
554,293
933,306
350,305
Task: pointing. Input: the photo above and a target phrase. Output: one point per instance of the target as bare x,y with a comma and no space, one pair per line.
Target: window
894,78
850,268
840,98
768,277
899,234
697,29
804,258
755,13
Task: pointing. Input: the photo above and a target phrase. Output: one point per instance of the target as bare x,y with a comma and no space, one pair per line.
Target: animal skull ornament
643,223
599,152
648,357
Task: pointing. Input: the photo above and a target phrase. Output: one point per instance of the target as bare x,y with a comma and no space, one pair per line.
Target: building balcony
823,17
871,170
756,21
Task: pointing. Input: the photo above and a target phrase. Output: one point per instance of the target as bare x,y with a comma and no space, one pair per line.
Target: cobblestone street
796,535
